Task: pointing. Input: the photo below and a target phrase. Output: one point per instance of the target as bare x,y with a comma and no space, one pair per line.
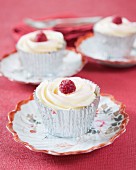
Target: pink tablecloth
119,82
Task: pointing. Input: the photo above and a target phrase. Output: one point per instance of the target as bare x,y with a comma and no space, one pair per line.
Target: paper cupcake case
113,46
68,123
42,64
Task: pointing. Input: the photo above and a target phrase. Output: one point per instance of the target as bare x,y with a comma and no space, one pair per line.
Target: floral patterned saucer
87,46
26,126
10,67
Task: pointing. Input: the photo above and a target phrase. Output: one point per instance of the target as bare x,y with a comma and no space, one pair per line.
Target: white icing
55,42
49,94
106,26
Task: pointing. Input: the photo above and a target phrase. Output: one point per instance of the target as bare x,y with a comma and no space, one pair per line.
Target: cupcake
41,52
67,105
114,37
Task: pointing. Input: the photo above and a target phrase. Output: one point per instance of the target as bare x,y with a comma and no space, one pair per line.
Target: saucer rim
10,128
84,61
83,38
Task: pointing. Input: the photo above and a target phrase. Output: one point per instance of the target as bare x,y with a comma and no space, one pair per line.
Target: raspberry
67,86
40,37
117,20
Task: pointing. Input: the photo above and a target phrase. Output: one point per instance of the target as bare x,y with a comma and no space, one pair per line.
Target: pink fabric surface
121,83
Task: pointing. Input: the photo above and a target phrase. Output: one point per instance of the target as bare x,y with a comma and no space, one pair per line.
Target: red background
121,155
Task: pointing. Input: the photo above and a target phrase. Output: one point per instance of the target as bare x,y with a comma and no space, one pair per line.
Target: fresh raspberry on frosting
40,37
67,86
117,20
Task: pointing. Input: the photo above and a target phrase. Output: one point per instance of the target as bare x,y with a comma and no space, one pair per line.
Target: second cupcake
41,52
114,37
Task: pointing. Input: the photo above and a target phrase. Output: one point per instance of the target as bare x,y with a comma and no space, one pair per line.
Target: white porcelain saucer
11,68
26,126
86,45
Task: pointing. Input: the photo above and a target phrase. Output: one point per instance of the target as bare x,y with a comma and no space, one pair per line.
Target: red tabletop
121,83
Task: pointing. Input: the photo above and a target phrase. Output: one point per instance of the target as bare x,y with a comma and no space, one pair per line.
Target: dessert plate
87,46
26,126
10,67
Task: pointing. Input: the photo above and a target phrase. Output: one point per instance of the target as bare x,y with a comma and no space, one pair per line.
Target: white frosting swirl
49,94
106,26
55,42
